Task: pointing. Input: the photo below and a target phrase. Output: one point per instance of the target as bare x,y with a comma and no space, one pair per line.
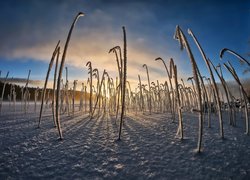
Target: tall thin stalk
54,87
149,89
99,93
213,81
4,84
243,60
184,44
119,62
73,97
90,86
26,91
245,98
226,92
60,73
46,81
180,127
171,86
124,79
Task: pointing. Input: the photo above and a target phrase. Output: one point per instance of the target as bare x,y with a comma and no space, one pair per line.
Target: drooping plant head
189,78
89,65
241,59
159,58
115,48
179,37
96,73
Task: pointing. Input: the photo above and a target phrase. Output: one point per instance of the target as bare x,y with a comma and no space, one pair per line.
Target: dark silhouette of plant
54,87
123,79
90,86
4,84
26,92
242,60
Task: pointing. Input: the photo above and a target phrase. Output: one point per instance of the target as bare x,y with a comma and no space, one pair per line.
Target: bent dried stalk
73,97
171,86
180,127
226,92
184,44
54,87
213,81
60,74
245,98
243,60
99,93
45,83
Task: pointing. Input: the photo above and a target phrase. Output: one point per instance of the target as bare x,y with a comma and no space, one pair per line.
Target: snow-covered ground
148,149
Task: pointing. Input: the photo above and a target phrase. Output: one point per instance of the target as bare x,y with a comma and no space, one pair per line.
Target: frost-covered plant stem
243,60
245,98
141,96
90,86
26,92
46,81
180,127
149,90
183,43
124,67
73,97
226,92
99,93
60,74
4,84
171,86
54,88
213,81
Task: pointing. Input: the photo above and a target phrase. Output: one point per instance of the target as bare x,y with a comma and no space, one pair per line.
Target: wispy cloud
31,30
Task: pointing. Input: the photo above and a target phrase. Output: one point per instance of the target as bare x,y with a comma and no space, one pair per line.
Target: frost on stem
45,83
184,44
171,87
230,68
4,84
124,79
213,81
60,73
149,89
241,59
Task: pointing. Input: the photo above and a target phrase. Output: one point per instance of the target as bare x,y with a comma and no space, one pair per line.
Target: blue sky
30,30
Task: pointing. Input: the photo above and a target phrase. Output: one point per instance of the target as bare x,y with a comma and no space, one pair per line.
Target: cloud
91,41
31,29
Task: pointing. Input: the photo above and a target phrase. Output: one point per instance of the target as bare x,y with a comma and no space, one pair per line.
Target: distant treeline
232,86
31,91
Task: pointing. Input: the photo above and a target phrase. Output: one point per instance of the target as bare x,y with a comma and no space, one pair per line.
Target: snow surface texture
148,149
